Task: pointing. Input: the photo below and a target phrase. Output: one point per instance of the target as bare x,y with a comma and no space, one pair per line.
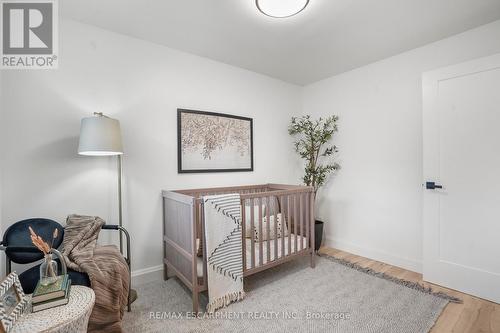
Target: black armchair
18,249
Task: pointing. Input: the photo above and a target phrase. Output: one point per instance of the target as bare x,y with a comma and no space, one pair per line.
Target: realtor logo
29,34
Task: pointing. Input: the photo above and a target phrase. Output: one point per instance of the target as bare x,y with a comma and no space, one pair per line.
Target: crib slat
295,219
194,263
289,221
308,221
261,250
204,240
243,240
268,228
200,223
282,227
275,203
301,210
252,232
313,224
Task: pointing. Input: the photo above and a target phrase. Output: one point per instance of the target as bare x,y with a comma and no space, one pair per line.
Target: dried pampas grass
40,243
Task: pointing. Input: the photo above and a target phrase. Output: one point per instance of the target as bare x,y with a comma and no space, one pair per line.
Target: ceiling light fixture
281,8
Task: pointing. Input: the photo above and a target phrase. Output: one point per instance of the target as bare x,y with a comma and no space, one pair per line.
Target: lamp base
133,295
133,298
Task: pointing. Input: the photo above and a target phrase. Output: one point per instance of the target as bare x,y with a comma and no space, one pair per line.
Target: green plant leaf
311,145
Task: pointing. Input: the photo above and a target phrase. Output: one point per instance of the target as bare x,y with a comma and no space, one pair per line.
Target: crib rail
276,226
264,203
277,223
179,252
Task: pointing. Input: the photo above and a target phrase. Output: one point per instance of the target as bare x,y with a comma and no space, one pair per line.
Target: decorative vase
48,270
318,234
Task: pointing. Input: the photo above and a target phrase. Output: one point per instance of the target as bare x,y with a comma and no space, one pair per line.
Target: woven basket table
72,317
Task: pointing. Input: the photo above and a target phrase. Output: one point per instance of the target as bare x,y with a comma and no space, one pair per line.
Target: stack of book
52,295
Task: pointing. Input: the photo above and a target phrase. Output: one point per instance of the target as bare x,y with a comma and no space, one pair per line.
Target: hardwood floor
475,315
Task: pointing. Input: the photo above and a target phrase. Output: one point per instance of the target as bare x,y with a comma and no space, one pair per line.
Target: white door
462,154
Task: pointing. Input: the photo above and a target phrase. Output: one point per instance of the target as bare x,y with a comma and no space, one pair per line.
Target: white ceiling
329,37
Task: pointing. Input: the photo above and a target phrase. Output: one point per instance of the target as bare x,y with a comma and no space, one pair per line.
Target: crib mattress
264,251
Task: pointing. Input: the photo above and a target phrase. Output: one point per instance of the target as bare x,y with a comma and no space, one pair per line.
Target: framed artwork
13,302
213,142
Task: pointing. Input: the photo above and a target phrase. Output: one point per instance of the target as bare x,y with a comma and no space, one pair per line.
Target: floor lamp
100,135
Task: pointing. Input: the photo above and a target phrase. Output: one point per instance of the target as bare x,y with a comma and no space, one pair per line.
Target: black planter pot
318,234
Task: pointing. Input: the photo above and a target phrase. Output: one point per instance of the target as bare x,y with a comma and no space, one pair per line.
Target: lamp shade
100,136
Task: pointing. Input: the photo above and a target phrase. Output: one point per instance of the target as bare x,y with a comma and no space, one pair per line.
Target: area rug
334,297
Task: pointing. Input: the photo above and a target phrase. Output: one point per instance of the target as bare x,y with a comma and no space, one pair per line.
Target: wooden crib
183,230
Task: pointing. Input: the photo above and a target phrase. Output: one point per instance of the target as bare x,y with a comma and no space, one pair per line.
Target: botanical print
209,133
214,141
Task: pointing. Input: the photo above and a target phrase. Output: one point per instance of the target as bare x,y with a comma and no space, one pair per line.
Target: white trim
149,274
406,263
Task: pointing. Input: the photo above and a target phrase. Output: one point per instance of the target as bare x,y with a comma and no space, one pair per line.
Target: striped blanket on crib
224,250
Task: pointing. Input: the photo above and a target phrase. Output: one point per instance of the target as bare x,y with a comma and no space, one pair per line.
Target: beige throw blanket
224,250
105,266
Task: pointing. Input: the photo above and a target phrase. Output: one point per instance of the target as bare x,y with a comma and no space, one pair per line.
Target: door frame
431,172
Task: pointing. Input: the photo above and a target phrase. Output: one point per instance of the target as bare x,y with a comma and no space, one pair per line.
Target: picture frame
213,142
13,302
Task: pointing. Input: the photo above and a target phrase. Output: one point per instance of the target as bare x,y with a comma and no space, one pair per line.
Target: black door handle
432,185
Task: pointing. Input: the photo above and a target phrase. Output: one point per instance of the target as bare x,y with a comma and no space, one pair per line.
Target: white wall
373,206
141,84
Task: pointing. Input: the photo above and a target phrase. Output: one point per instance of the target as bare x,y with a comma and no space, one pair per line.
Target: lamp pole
120,206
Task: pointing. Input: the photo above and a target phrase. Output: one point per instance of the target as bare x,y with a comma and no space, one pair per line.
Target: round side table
72,317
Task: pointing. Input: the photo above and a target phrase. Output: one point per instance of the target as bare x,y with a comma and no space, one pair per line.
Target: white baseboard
388,258
145,275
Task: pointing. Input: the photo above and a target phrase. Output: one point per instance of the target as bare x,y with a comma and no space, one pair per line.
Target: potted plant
312,145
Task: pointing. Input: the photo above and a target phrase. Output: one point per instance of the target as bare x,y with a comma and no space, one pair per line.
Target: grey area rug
293,297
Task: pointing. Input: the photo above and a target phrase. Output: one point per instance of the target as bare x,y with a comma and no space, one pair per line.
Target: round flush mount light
281,8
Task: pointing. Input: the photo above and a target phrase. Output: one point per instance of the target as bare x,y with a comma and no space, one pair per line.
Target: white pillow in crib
248,218
281,228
